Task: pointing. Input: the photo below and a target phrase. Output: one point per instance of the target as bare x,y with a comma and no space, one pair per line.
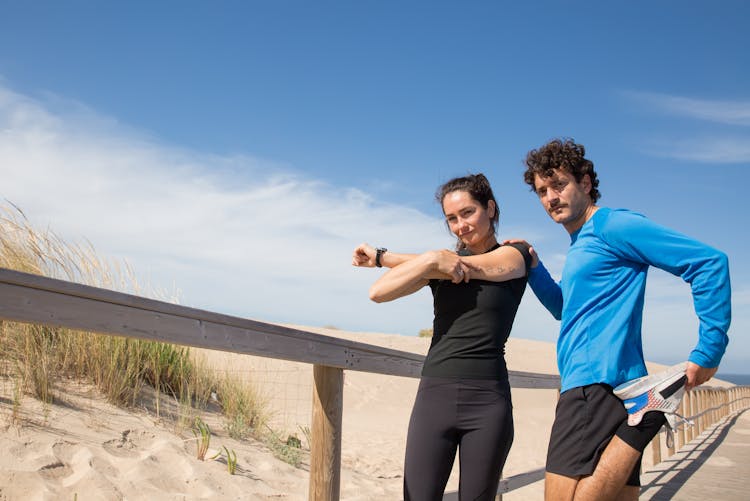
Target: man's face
565,200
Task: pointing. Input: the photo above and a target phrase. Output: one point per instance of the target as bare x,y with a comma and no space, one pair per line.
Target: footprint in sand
59,467
55,470
128,444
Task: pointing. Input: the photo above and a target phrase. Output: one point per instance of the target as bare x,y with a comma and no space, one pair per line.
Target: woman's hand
364,256
449,263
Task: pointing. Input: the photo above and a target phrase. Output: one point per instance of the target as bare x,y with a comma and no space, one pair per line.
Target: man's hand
532,252
697,375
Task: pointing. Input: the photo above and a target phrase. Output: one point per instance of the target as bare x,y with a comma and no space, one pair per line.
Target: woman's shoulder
523,248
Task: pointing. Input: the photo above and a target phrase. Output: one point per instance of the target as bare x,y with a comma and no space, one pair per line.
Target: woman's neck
484,246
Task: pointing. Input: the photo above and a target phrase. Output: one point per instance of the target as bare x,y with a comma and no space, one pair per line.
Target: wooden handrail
36,299
706,406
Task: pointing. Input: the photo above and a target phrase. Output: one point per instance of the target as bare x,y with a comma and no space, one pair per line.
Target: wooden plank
325,449
507,484
656,449
520,379
124,315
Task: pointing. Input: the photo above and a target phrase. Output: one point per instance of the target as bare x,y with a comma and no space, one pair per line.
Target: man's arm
546,290
544,286
703,267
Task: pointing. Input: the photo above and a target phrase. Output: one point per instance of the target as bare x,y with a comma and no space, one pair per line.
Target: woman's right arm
364,256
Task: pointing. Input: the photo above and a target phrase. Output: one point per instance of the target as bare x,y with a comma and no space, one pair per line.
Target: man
593,452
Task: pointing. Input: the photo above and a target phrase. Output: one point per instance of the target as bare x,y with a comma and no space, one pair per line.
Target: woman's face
469,221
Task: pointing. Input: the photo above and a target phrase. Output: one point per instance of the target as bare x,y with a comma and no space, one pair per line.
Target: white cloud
703,149
721,111
718,147
235,234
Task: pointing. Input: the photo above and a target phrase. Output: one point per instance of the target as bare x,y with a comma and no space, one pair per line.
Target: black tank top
472,323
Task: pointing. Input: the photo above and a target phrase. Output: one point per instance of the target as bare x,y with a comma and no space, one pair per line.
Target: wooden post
714,405
680,432
656,448
725,408
686,408
690,412
670,448
325,449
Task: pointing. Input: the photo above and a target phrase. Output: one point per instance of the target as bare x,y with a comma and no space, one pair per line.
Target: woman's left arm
499,265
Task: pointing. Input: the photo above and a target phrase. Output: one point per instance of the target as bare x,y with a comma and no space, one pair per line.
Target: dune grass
37,359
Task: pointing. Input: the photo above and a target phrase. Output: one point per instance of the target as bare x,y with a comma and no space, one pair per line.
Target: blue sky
235,152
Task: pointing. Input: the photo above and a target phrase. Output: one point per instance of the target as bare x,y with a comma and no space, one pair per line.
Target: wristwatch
378,253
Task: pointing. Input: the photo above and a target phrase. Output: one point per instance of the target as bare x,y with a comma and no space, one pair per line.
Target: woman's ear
491,209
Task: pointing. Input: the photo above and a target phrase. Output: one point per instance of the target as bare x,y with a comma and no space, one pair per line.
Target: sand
83,448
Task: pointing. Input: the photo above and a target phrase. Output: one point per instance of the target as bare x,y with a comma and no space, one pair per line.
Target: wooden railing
47,301
702,407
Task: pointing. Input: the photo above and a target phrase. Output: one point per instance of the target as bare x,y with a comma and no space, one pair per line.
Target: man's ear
586,183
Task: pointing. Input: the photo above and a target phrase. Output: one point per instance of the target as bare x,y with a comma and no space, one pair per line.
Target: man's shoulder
606,219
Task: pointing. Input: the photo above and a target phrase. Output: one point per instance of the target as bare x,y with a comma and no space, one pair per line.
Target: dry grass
37,359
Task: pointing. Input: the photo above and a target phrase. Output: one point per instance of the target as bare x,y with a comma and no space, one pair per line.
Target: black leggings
473,415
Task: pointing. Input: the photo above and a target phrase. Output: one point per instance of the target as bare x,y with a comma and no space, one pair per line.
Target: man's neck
576,225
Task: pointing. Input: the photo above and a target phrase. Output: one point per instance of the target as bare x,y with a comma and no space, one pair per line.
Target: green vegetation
231,460
37,360
289,450
243,408
425,333
202,438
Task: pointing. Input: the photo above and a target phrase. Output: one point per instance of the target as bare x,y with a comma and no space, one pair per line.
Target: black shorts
586,419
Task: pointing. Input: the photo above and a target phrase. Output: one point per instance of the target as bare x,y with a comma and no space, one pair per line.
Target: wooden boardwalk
714,466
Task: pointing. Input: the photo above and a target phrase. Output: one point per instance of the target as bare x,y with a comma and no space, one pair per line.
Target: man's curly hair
563,154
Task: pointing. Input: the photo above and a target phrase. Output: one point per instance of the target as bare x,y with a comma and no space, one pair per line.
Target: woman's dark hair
479,188
561,154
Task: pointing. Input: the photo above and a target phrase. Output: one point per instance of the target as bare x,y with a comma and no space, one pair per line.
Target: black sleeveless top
472,323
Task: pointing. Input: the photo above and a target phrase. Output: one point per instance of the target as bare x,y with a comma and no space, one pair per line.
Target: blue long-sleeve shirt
599,300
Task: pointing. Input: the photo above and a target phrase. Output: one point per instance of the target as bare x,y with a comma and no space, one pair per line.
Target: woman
463,402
